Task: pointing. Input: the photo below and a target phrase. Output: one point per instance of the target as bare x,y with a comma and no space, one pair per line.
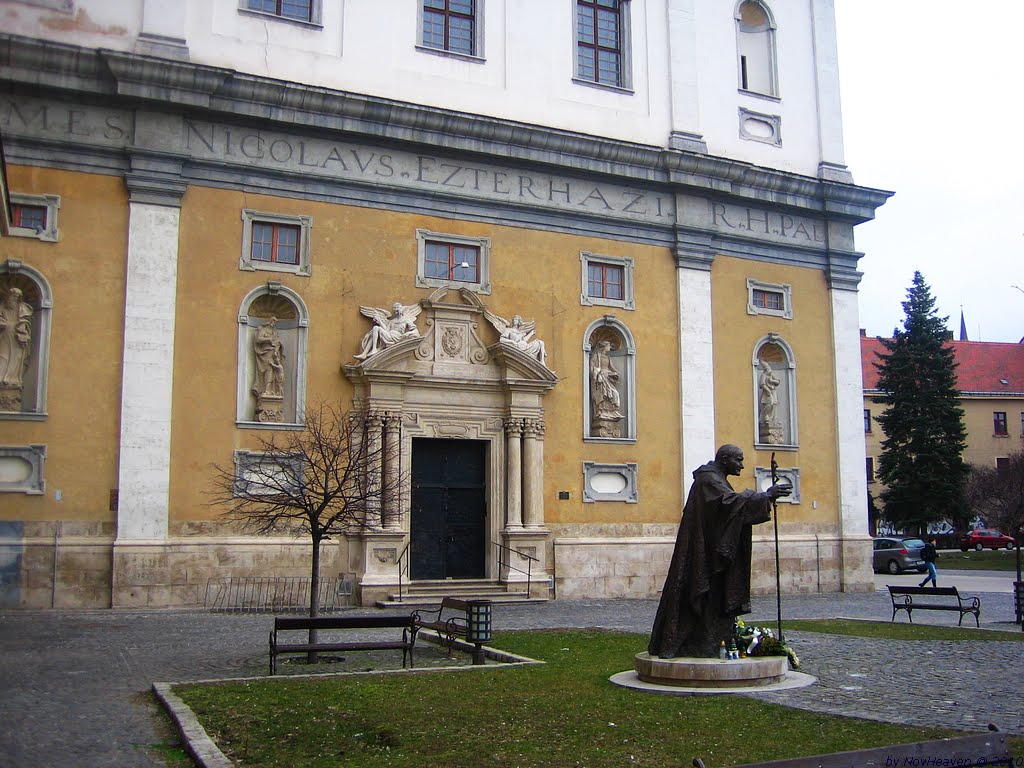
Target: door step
430,593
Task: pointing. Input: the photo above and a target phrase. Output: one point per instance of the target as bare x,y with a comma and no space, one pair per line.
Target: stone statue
769,426
708,582
605,411
15,347
519,334
388,329
269,361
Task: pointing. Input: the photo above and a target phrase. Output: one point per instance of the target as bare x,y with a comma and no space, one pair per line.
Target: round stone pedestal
750,672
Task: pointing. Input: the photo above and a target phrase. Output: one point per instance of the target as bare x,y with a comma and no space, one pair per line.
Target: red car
982,538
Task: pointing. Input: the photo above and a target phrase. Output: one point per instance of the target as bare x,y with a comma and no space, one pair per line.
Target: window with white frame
755,45
607,281
769,299
774,380
452,26
603,43
275,242
453,260
272,330
307,11
35,216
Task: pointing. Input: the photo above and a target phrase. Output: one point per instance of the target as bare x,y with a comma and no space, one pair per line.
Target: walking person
930,555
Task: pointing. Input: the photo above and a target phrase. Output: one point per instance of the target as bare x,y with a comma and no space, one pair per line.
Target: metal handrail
403,555
503,563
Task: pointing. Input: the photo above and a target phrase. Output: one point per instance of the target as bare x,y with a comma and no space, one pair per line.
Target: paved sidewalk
74,686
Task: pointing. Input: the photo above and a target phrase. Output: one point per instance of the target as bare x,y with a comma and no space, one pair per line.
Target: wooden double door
448,526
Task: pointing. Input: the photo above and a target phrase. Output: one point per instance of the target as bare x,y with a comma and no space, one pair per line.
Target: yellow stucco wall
809,335
362,256
86,273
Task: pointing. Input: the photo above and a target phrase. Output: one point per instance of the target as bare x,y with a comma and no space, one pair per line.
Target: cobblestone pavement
74,686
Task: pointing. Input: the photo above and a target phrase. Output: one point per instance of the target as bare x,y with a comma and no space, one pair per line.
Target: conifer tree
921,462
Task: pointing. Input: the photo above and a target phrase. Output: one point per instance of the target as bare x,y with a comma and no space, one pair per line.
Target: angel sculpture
388,329
519,334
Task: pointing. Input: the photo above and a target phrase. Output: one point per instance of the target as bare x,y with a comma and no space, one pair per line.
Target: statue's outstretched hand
782,488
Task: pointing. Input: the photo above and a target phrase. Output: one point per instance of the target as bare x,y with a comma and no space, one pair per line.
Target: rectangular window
869,468
448,261
34,216
450,25
867,420
275,242
1002,463
769,300
300,10
601,37
999,426
607,281
29,216
443,260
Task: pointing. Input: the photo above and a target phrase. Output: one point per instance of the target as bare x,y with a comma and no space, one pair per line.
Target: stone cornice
224,94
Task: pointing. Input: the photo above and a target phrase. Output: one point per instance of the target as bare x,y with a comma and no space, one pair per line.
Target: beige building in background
606,259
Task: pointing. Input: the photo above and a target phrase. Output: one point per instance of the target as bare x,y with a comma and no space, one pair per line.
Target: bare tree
337,476
997,494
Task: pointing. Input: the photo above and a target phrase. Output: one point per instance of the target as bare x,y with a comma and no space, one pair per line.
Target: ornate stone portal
450,384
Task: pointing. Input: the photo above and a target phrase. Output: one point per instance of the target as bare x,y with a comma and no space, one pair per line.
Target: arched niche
25,304
609,382
755,48
773,367
272,326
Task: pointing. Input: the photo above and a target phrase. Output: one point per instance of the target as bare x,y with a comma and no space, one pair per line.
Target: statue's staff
775,519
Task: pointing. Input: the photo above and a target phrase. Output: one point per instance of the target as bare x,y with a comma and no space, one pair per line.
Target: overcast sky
933,111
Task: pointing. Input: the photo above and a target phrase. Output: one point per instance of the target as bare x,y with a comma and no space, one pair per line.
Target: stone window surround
787,298
773,122
478,36
315,14
628,472
304,223
52,204
791,404
763,481
625,84
482,285
33,484
242,393
628,375
627,301
41,342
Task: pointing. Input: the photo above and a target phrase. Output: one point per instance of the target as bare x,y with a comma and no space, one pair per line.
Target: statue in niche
769,427
519,334
388,328
268,384
15,347
605,401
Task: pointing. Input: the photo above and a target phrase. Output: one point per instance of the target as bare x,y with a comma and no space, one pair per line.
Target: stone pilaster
533,473
514,474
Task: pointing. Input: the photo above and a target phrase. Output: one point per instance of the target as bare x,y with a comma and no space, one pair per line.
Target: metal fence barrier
274,594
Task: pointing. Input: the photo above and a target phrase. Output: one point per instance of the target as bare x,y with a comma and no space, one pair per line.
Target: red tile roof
983,365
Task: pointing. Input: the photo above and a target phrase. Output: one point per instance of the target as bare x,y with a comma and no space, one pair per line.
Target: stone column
514,474
374,470
533,473
392,514
147,370
696,375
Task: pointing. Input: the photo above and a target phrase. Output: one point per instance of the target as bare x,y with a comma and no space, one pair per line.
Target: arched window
25,304
774,372
755,46
609,365
272,324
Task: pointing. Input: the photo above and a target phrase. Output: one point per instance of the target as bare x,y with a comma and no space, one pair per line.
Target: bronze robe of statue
708,582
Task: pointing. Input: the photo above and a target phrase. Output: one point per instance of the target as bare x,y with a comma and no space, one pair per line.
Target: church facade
558,251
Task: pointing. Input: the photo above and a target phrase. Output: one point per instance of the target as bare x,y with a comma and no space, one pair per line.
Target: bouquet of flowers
762,641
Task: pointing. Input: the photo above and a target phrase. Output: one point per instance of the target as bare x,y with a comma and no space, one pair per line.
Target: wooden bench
912,599
306,623
982,750
450,620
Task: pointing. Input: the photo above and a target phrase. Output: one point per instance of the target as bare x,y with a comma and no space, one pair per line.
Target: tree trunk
314,596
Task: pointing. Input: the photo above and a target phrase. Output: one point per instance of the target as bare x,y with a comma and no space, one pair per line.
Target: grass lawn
892,630
564,713
986,560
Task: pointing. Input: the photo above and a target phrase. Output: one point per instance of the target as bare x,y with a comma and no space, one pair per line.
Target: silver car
895,554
